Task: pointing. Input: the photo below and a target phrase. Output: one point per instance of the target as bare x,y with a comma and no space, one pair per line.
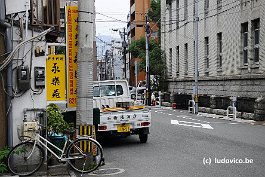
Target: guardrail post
191,106
160,101
233,108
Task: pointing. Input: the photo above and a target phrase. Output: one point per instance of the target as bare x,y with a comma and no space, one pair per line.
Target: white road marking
191,124
233,123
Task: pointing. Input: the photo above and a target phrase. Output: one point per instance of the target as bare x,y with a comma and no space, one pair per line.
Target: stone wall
216,93
259,112
237,86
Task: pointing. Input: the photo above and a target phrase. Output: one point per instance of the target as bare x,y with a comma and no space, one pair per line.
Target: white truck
118,114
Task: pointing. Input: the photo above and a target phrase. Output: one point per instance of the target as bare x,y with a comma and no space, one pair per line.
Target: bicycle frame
43,141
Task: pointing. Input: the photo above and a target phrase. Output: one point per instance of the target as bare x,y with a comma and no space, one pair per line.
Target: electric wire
9,108
111,17
11,55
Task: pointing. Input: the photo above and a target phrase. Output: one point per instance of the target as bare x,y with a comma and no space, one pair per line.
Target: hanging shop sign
72,44
55,80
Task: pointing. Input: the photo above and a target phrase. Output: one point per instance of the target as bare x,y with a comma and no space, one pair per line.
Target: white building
118,63
231,52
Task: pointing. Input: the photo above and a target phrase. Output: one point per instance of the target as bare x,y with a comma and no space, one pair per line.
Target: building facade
230,53
136,30
26,87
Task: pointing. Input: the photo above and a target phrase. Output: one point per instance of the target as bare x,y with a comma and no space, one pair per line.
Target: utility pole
196,31
124,52
84,110
147,69
136,76
106,62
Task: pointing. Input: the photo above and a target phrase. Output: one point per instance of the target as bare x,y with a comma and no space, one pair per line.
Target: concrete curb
216,116
222,117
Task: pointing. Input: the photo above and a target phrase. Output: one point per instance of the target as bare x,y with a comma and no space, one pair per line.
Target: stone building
231,59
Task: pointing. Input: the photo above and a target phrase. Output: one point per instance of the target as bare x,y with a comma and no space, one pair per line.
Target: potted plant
55,127
55,122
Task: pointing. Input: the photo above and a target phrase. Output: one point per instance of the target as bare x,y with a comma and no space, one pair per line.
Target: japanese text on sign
72,42
55,72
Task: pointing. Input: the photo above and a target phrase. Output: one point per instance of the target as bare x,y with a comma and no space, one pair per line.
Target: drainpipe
8,44
27,18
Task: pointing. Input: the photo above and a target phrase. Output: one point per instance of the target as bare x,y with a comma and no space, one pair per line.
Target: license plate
123,128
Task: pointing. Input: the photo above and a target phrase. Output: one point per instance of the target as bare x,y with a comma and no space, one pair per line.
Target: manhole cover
108,171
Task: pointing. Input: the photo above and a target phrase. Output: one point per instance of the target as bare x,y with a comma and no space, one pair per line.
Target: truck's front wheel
143,137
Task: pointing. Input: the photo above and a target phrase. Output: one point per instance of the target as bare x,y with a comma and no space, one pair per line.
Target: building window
170,16
186,58
194,4
206,52
62,13
219,4
45,13
177,59
170,62
185,9
255,37
219,50
244,36
177,14
206,7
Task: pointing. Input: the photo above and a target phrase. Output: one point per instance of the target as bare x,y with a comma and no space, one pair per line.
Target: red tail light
144,124
102,127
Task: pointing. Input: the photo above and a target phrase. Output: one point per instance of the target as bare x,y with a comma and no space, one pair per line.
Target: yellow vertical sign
72,14
55,80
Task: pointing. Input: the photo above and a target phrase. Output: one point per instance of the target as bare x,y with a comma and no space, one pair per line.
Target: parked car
140,96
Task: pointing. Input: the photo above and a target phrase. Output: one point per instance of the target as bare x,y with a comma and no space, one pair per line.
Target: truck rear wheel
143,137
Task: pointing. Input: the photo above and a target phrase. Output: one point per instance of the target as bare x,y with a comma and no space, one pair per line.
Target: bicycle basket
28,130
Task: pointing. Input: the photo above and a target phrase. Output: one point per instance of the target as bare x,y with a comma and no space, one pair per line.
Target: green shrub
3,155
56,123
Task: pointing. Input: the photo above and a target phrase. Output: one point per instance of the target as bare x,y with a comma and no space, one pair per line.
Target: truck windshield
107,90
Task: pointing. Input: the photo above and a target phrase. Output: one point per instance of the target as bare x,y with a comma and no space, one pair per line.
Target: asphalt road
187,145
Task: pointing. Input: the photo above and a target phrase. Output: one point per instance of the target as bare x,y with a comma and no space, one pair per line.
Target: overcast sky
111,10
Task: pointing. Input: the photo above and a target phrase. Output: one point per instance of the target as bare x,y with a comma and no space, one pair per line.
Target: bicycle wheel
25,159
85,155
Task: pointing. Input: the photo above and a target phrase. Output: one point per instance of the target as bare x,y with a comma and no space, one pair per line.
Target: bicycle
84,154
